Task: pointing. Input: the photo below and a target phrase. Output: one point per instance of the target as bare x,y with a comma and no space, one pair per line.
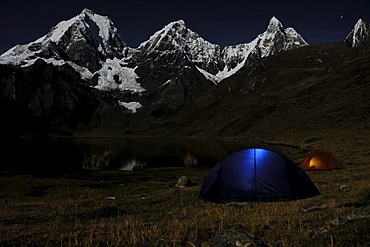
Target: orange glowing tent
320,159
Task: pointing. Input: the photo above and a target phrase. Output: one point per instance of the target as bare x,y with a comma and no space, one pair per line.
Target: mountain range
82,77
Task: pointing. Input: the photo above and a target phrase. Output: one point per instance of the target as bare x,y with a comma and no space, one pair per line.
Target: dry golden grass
148,210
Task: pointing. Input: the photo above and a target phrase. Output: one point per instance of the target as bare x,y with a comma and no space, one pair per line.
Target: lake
56,155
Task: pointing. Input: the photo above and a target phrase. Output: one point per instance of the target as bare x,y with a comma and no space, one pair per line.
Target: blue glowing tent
256,174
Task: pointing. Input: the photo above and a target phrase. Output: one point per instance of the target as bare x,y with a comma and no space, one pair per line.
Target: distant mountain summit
84,40
175,40
90,43
274,40
360,34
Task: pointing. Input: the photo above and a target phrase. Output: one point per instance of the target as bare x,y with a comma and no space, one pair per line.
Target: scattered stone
316,205
166,187
231,238
183,182
344,188
358,223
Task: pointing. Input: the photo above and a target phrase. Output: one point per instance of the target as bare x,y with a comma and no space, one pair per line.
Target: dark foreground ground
145,208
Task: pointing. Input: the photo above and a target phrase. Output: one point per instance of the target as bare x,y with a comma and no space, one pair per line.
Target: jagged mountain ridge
89,41
216,64
274,40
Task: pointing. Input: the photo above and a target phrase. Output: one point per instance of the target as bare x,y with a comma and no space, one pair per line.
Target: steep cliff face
360,34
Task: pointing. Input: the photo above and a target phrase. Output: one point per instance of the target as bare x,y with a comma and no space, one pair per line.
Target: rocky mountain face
82,75
289,96
360,34
47,97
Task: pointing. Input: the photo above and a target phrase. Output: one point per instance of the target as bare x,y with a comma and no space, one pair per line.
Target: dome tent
320,159
256,174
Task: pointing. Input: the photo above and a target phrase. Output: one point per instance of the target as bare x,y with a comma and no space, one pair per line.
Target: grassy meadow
145,208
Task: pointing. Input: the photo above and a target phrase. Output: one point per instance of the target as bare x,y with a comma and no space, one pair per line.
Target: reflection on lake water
129,164
73,154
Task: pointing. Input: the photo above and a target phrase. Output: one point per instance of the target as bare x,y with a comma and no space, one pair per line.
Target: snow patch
113,76
132,106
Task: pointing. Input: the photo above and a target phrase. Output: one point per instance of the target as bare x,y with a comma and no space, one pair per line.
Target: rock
344,188
231,237
316,205
339,227
183,182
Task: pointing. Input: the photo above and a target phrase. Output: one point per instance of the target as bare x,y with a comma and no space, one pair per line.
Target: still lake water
55,155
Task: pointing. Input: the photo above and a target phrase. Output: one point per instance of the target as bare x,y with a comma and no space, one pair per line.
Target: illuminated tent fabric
320,159
256,174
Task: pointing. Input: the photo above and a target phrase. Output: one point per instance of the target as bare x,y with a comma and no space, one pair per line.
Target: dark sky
224,22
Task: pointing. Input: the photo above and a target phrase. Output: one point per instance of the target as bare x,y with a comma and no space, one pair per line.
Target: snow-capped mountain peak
84,40
275,39
170,30
89,43
90,28
104,26
359,34
175,38
274,25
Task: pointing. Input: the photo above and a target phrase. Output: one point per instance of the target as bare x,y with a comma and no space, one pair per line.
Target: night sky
224,22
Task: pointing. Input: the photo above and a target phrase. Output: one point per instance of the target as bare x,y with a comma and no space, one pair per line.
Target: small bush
190,160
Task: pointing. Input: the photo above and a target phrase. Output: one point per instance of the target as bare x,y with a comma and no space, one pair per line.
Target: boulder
183,182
